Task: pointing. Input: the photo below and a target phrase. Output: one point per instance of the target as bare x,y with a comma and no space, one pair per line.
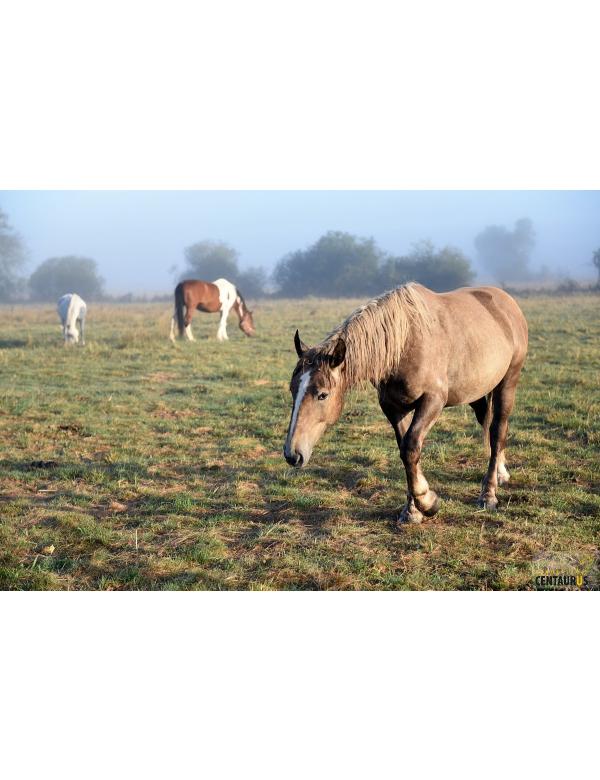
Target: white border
299,685
279,94
328,94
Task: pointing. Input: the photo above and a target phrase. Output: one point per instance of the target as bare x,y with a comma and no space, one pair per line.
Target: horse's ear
339,353
301,347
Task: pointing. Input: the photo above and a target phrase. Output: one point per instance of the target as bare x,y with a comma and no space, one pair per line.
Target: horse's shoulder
225,287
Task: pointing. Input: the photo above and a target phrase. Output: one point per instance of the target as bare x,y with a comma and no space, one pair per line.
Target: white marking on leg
302,387
172,333
188,333
222,332
227,296
503,475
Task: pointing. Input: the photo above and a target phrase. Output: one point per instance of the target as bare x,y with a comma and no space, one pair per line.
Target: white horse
72,310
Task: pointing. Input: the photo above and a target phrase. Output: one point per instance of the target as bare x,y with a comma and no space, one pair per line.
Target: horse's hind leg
480,407
187,321
503,402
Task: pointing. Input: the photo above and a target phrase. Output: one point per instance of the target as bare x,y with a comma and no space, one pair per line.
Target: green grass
150,466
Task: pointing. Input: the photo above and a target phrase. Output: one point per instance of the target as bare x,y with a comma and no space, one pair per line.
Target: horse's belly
475,380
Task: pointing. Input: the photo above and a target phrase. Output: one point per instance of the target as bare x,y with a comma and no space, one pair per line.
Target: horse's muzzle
294,459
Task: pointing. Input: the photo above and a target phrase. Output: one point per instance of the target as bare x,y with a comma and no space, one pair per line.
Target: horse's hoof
490,503
409,515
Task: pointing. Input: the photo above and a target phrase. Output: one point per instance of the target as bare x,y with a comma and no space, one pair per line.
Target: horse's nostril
294,458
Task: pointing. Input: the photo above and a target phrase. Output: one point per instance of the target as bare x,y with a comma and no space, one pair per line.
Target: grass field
135,464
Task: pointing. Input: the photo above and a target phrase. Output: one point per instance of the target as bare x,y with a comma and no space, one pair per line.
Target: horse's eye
322,396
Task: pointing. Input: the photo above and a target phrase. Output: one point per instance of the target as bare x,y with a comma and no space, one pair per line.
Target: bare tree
596,263
13,257
506,253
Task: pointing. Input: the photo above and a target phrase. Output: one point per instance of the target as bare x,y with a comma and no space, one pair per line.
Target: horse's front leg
222,332
421,500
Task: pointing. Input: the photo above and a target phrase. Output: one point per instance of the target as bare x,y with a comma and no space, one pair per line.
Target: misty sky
137,236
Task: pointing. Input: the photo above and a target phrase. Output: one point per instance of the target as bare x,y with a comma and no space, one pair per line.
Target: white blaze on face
302,387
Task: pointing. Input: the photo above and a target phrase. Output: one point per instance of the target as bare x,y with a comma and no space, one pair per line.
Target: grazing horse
219,295
72,310
422,351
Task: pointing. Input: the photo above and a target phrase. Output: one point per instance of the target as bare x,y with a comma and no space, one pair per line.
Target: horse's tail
179,303
487,420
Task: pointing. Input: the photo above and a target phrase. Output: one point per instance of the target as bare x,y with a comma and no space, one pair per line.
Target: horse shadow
75,470
13,343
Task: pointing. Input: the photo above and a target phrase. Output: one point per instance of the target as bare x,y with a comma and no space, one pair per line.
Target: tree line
338,264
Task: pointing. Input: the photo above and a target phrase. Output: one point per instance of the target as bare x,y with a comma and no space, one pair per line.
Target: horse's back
71,303
198,294
489,312
478,335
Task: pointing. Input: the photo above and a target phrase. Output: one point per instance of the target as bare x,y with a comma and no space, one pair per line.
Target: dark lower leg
504,397
480,409
421,499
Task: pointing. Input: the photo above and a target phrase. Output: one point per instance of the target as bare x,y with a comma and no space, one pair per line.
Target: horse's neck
72,310
238,307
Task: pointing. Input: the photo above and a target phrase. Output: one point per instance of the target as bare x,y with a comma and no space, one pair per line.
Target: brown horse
219,295
422,351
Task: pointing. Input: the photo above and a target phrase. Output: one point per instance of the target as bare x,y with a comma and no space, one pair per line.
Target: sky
136,237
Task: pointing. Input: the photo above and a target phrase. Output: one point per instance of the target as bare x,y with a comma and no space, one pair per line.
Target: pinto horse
72,311
422,351
219,295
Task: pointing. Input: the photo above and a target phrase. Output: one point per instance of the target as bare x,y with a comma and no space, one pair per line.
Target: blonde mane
376,334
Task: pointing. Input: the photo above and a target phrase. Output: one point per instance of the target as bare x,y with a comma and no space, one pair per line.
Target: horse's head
317,399
247,323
